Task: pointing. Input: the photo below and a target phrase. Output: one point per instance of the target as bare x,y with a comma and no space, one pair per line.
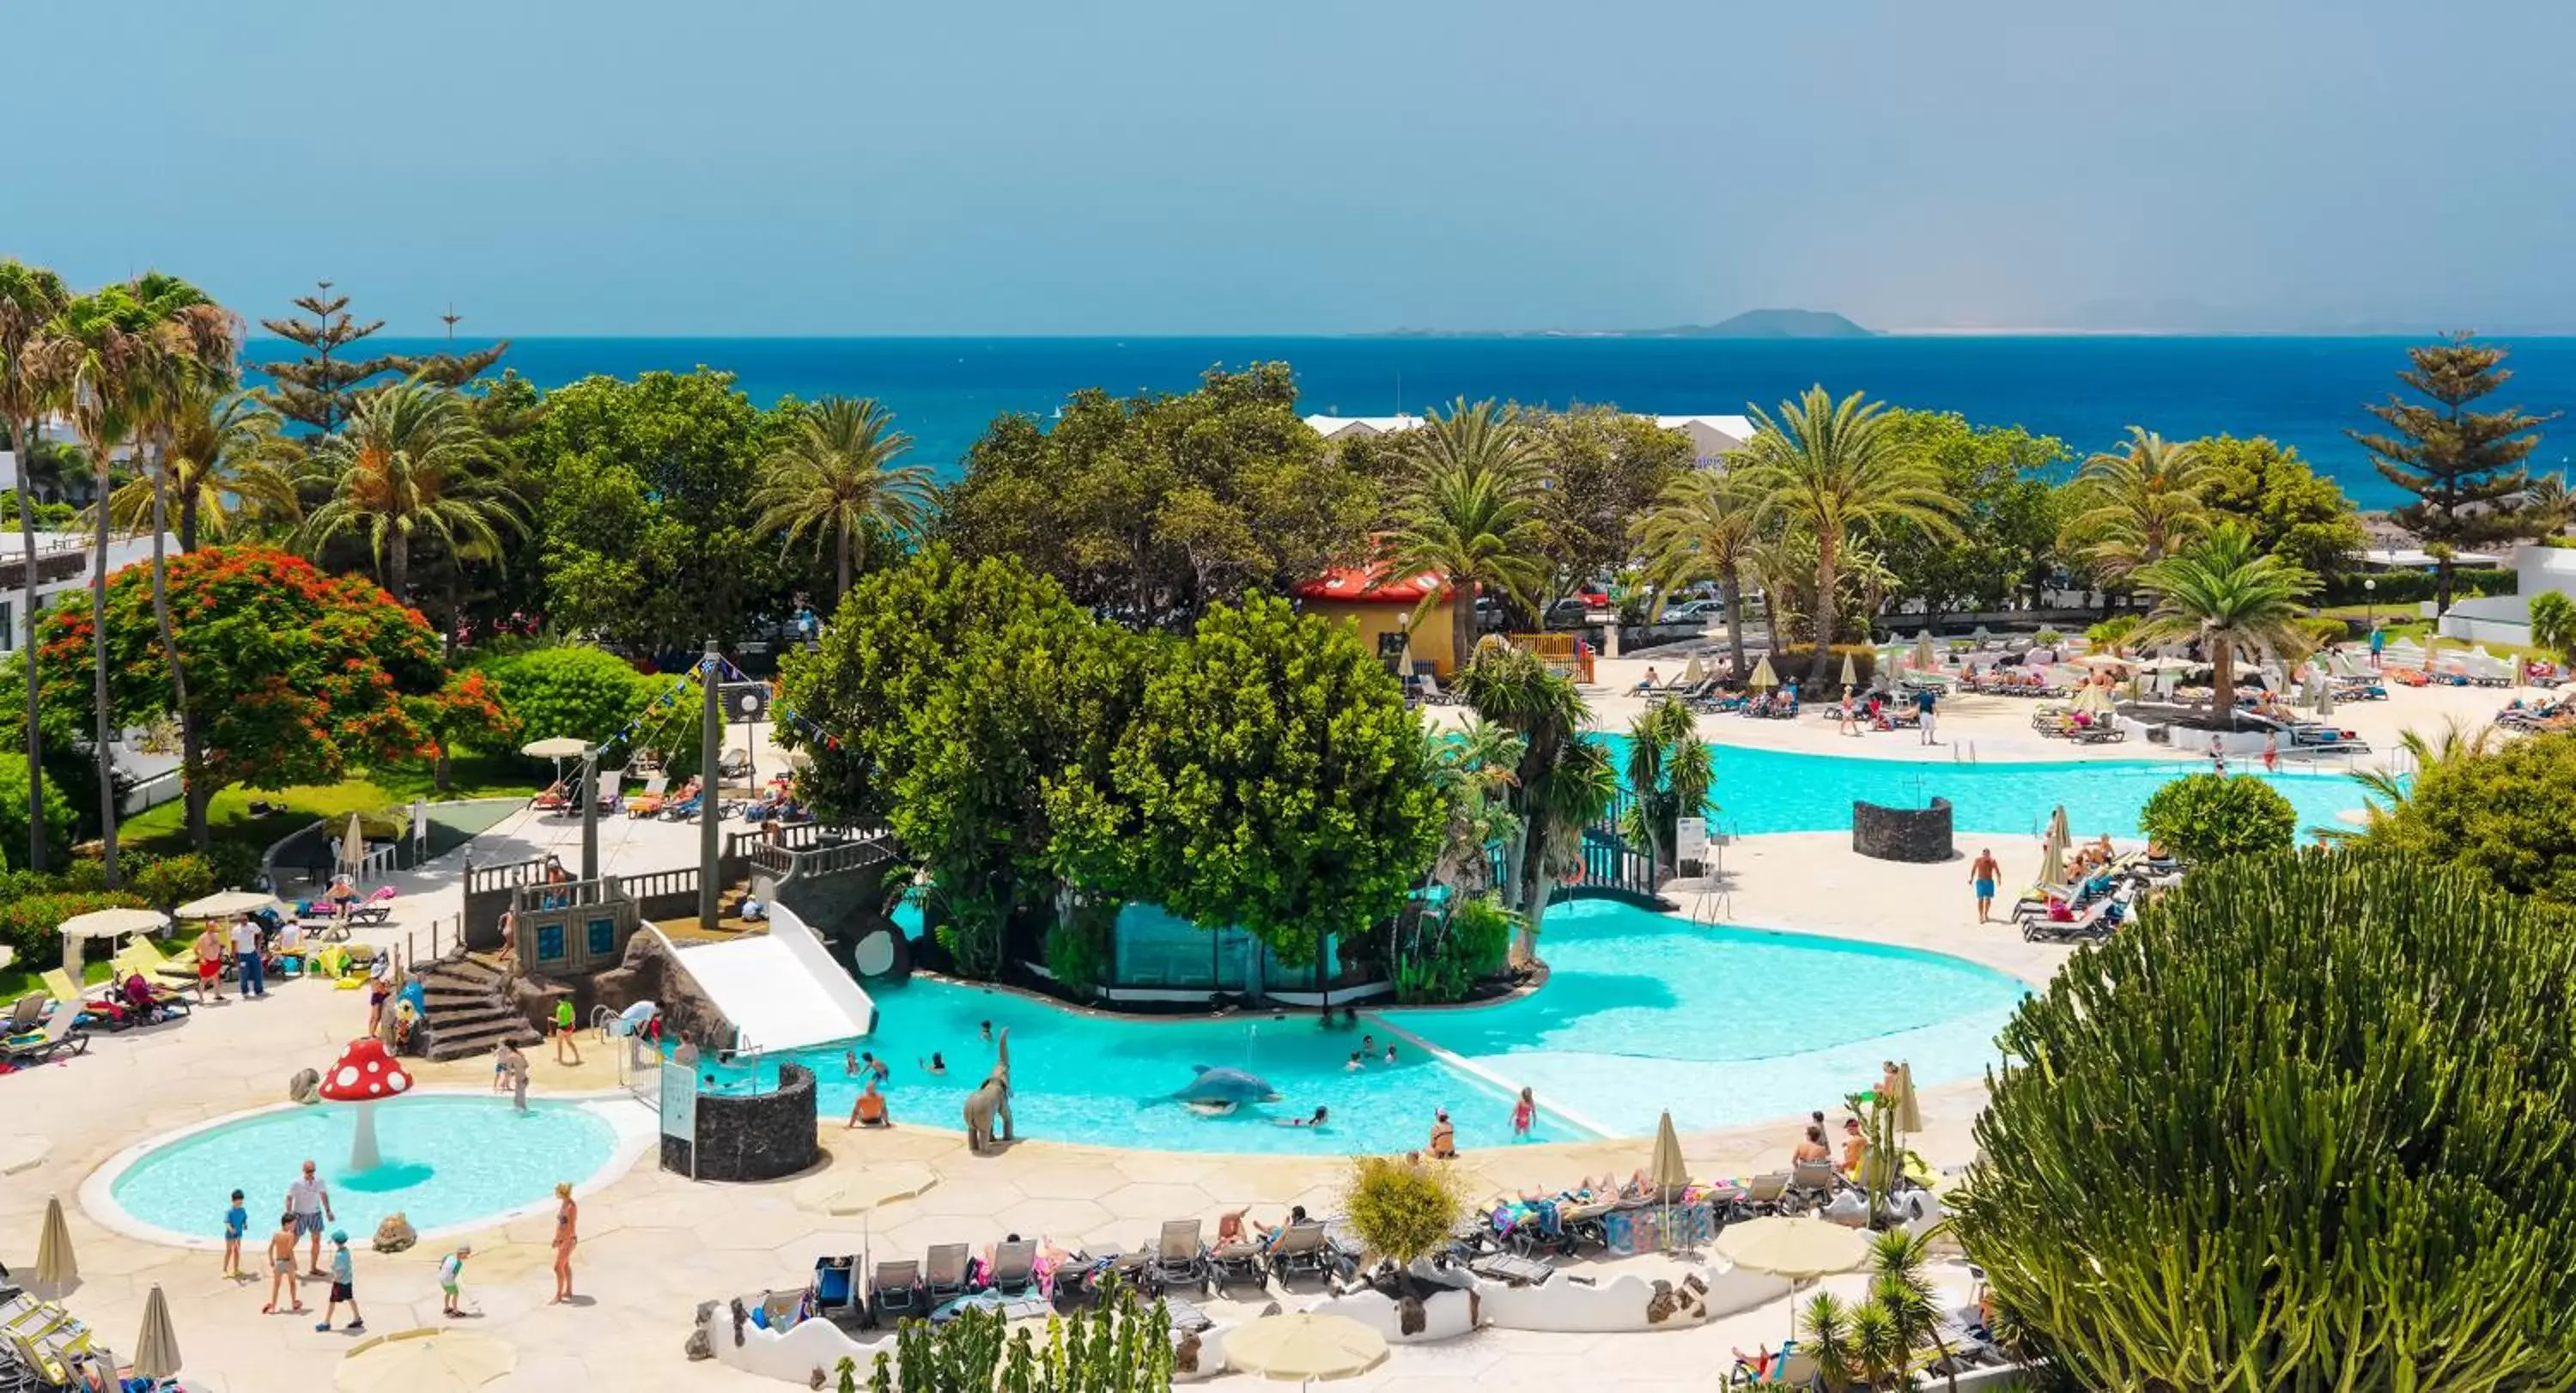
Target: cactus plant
2310,1123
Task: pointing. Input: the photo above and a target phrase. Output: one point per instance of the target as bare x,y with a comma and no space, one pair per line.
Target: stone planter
1919,835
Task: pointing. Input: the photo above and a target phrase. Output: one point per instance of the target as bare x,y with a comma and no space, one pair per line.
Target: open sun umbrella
1798,1249
424,1361
2093,700
1763,679
114,923
1303,1345
1692,671
56,1268
224,904
156,1350
558,747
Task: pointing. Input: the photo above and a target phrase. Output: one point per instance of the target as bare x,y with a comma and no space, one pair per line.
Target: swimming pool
1761,790
1641,1012
1644,1011
449,1160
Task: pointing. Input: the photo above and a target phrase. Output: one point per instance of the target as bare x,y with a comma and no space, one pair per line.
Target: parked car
1689,611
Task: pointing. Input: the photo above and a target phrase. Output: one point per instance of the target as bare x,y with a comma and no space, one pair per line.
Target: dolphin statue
1227,1086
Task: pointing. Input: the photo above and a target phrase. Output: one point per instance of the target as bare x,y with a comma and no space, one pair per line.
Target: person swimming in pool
1316,1121
936,1065
1355,1065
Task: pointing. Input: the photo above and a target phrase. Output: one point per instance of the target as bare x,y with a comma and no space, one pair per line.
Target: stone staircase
470,1010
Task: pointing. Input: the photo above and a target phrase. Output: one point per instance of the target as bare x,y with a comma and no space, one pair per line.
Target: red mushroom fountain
366,1075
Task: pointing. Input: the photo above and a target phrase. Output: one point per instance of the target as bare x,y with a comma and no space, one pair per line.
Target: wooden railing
656,884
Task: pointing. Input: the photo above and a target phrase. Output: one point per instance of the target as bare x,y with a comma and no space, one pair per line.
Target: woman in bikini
567,1215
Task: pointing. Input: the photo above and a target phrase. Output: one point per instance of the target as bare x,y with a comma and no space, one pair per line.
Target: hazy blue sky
857,167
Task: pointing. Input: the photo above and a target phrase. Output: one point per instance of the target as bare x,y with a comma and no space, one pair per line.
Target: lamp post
2370,601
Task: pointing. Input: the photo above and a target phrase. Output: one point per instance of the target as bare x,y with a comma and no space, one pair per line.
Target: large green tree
2308,1123
957,703
32,379
1604,468
2010,511
646,531
834,476
1149,508
1270,778
2292,511
320,390
1470,509
2464,466
1841,473
412,463
299,675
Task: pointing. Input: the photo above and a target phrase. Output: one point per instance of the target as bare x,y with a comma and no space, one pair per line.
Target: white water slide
781,989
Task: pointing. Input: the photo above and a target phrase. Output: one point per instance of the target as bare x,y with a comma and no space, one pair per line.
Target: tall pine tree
2464,467
318,390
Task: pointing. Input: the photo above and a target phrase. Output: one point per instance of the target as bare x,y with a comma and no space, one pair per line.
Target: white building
62,563
2507,618
1712,437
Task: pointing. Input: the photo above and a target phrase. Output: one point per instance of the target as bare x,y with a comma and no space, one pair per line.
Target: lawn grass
163,830
2402,623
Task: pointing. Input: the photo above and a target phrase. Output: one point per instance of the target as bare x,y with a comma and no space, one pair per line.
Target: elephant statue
991,1097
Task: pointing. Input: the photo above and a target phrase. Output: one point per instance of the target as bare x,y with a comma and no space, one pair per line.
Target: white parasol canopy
115,923
557,747
1763,679
1304,1345
224,904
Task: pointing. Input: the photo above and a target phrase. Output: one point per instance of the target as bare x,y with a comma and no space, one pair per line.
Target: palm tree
2138,504
1476,766
1470,512
411,461
834,476
1703,527
2222,592
1669,771
219,449
189,347
31,298
1562,784
106,341
1836,470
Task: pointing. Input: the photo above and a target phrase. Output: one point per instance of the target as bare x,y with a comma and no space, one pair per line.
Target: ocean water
2085,390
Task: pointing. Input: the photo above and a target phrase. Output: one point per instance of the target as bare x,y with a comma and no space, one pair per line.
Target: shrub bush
13,812
168,882
585,694
2501,813
1080,945
1442,960
2208,817
2304,1124
2111,632
1401,1210
2405,588
30,924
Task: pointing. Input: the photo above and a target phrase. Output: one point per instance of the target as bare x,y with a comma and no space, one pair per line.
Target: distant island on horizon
1752,324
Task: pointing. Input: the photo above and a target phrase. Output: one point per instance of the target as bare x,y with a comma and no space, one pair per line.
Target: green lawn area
2400,622
163,830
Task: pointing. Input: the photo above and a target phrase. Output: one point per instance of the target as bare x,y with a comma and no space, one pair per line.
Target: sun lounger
26,1015
1229,1263
58,1035
1303,1249
1014,1267
945,1274
1520,1272
894,1289
836,1289
1179,1258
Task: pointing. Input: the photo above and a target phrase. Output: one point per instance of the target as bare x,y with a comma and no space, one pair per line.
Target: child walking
281,1267
343,1285
236,1224
451,1273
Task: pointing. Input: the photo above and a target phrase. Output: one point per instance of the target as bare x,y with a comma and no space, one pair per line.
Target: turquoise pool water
1109,1080
448,1159
1644,1011
1761,790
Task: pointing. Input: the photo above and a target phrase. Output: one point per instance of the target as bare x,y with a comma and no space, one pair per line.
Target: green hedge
30,923
2408,587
